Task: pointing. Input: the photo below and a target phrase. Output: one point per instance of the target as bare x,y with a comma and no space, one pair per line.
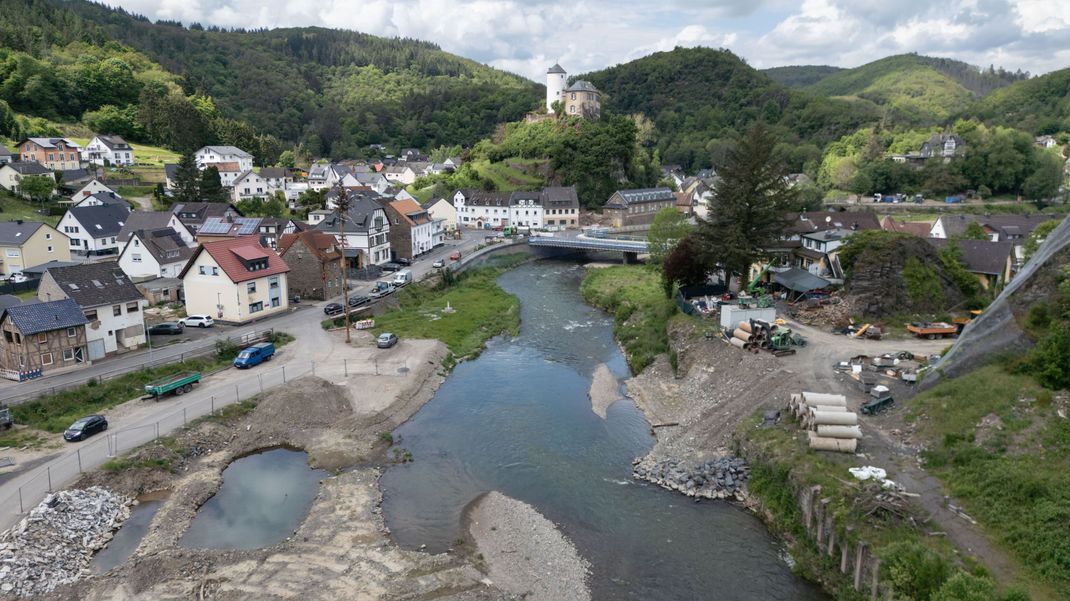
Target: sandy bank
604,390
525,553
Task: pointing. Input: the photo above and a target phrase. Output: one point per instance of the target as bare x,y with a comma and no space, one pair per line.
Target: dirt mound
900,275
306,403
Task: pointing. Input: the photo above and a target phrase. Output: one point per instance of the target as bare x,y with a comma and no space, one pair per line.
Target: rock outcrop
877,287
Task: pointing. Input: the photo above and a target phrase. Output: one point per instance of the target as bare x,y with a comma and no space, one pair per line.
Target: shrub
914,570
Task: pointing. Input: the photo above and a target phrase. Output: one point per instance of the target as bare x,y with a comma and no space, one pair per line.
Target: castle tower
555,86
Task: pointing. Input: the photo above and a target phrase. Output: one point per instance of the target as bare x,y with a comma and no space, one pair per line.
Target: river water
518,420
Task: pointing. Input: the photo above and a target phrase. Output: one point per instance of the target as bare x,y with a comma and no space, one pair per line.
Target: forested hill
333,91
1040,105
701,99
800,76
916,90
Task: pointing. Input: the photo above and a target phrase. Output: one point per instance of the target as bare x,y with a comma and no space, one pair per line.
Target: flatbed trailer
179,383
932,331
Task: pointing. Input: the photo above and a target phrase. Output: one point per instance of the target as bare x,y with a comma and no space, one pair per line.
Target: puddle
262,500
129,536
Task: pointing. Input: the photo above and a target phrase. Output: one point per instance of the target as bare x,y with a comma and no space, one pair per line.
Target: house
102,198
94,231
250,185
561,206
944,146
366,231
277,178
675,173
155,220
999,228
1046,142
525,210
412,230
5,155
818,254
111,303
41,338
583,99
222,228
817,221
93,187
208,155
992,262
107,151
38,271
914,228
229,172
159,253
401,173
482,210
375,181
194,214
25,244
684,203
314,260
411,154
236,281
441,209
318,215
57,154
11,174
637,207
453,163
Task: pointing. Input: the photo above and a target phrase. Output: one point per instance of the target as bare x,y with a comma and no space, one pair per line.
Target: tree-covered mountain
916,90
1040,105
333,91
800,76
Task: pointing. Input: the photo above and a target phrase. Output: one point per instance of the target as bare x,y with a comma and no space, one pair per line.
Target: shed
799,280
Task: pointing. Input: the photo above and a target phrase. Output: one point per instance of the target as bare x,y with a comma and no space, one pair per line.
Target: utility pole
342,206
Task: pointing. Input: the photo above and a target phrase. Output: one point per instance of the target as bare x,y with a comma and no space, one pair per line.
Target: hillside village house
944,146
101,198
584,100
209,155
58,154
107,151
236,281
228,172
93,231
250,185
26,244
11,174
155,220
41,339
159,253
637,207
561,206
401,173
525,209
366,231
442,210
818,253
113,306
482,210
999,228
277,178
93,187
412,230
992,262
314,260
194,214
5,155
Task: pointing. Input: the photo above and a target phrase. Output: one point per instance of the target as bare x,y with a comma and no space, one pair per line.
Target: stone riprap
720,478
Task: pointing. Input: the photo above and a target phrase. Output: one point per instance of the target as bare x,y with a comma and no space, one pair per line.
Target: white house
442,210
151,254
101,198
109,300
278,178
251,185
235,280
526,210
482,210
93,187
401,174
366,231
93,231
108,150
156,220
228,172
224,154
11,174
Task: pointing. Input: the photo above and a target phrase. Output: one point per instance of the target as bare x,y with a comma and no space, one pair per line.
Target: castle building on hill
580,99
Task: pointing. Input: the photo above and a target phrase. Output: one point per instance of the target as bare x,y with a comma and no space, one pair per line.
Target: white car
439,263
197,321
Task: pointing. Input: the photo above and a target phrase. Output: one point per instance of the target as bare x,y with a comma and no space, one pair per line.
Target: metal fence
17,287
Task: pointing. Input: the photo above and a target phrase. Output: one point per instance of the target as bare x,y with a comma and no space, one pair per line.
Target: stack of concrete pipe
746,338
831,426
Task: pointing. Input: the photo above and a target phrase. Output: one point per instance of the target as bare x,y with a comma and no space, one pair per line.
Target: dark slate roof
197,212
981,256
518,196
170,171
8,300
14,233
4,152
164,244
108,198
35,318
225,150
144,220
819,221
486,199
29,168
274,172
101,220
581,86
556,69
39,270
114,142
73,177
359,219
642,195
556,197
95,284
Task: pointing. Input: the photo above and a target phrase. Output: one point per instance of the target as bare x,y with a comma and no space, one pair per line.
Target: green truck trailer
179,384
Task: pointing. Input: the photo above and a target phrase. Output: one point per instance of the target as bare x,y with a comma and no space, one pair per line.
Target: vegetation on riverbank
636,298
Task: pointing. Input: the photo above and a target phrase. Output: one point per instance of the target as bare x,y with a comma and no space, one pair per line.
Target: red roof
229,254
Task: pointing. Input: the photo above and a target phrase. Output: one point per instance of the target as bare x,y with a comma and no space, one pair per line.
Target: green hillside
800,76
1040,105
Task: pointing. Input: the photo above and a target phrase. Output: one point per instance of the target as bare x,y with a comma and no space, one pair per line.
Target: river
518,420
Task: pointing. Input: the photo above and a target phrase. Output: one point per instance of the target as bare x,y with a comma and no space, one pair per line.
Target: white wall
137,262
86,241
423,237
108,325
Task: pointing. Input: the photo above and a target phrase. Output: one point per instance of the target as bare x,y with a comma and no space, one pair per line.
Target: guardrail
590,244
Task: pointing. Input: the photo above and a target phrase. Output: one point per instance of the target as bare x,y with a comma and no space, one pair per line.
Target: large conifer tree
187,180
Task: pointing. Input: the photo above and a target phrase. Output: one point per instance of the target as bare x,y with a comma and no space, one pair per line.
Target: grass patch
16,439
121,464
13,208
233,411
128,191
635,297
507,178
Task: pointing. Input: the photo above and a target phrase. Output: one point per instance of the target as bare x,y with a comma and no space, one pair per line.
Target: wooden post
832,536
875,570
822,521
814,492
845,549
860,555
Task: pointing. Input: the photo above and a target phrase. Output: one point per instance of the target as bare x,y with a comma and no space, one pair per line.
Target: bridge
631,248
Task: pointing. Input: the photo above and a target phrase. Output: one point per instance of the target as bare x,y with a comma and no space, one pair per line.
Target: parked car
918,198
876,198
439,263
295,299
17,278
332,309
386,340
254,355
403,261
85,427
390,266
382,289
197,321
402,278
356,301
456,256
167,327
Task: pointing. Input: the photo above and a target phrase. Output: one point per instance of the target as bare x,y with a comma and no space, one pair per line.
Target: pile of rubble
720,478
53,545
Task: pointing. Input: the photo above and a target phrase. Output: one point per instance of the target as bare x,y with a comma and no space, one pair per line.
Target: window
13,252
573,97
256,307
18,338
250,287
68,354
135,257
48,236
8,336
49,249
116,310
273,283
275,302
46,358
72,332
76,242
215,271
42,338
132,307
572,108
91,315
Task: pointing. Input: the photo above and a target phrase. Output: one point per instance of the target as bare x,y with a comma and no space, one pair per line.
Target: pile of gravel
721,478
54,543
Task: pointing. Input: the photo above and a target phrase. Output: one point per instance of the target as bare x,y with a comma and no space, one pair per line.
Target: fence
68,467
16,287
207,349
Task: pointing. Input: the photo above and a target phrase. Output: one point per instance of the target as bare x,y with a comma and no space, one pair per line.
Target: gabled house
111,303
637,207
5,155
453,163
11,174
24,244
250,185
277,178
102,198
526,210
194,214
366,231
94,231
228,172
314,260
108,150
482,210
824,232
223,228
41,338
208,155
442,210
155,220
944,146
1046,142
992,262
57,154
93,187
412,230
149,254
236,281
999,228
914,228
402,173
561,206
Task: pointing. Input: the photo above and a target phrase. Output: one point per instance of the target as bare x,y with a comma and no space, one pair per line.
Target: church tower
555,86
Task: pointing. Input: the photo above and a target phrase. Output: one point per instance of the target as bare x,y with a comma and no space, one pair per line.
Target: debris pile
831,426
721,478
54,543
758,335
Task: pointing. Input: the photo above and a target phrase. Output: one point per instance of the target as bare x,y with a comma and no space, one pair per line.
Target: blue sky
526,36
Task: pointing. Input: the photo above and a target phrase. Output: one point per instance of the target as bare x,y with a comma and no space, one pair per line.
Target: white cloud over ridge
526,36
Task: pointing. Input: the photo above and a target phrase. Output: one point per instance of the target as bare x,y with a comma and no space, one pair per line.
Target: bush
966,587
914,570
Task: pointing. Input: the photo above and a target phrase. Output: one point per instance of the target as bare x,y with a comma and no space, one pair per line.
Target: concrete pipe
820,398
745,326
829,418
839,445
827,408
839,431
740,335
736,342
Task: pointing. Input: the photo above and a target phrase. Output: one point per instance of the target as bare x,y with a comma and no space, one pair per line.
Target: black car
356,301
390,266
332,309
85,427
403,261
167,327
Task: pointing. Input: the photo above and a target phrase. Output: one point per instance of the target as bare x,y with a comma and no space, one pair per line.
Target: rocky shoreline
721,478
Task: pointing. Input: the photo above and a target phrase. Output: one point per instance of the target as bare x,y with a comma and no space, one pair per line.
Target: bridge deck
627,246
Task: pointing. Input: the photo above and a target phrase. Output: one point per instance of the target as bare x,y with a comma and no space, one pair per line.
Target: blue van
254,355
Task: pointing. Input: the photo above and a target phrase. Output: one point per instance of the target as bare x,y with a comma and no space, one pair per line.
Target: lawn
635,297
506,178
144,154
12,208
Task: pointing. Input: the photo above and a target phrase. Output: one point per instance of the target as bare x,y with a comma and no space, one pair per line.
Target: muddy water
129,536
263,499
518,419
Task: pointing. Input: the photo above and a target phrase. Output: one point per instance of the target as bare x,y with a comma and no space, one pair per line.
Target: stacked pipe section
831,427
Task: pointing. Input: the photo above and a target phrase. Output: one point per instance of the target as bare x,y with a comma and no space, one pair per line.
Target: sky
527,36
